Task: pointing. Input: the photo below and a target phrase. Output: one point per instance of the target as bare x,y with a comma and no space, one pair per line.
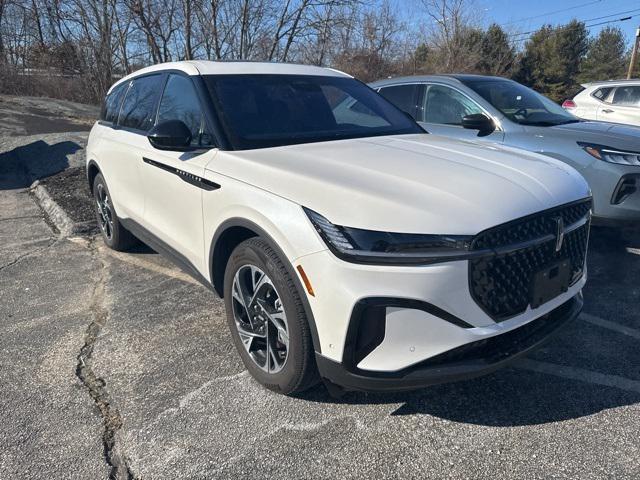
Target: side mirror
170,135
480,122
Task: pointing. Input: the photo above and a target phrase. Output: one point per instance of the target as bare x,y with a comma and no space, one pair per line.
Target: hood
408,183
624,137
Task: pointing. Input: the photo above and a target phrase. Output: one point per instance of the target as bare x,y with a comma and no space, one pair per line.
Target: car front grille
501,282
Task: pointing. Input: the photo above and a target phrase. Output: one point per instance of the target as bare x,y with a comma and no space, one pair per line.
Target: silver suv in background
615,101
498,110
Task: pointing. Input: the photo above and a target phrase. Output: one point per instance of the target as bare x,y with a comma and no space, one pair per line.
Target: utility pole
634,54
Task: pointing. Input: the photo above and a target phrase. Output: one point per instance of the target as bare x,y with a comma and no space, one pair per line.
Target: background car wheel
267,319
113,233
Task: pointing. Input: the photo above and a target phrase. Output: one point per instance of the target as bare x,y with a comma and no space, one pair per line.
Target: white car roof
208,67
612,83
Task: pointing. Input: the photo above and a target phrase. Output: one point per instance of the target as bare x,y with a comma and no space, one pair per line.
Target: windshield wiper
539,124
575,120
547,123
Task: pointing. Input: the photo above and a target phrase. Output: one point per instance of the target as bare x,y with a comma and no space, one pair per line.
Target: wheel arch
227,237
92,171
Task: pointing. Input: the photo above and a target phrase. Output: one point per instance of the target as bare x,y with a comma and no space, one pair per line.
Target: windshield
258,111
521,104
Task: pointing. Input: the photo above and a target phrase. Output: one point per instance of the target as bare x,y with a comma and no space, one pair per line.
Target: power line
612,15
611,21
553,13
624,19
586,20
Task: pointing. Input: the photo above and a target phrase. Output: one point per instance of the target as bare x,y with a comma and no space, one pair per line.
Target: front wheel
267,319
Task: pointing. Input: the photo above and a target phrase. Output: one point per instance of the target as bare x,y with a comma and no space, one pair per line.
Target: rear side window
402,96
180,102
111,106
629,96
138,109
602,93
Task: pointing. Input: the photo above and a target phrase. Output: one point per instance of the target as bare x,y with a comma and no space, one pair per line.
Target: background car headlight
611,155
369,246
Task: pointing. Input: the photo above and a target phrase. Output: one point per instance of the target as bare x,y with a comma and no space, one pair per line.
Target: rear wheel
115,236
267,319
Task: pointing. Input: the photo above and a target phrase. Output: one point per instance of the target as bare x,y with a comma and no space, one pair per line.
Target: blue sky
522,16
548,11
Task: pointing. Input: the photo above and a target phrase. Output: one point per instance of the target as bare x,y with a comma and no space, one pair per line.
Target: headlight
611,155
368,246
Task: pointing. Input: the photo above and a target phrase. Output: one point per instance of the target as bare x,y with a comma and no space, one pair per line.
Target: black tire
299,371
114,234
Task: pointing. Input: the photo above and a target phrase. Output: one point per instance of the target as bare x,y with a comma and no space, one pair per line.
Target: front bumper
409,326
616,192
467,361
430,310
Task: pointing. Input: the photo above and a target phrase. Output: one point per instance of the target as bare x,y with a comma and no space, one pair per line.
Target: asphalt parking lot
121,365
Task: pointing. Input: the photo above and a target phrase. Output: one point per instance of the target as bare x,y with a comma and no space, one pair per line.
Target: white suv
348,244
616,101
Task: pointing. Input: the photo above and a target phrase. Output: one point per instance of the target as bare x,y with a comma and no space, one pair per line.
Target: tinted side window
627,96
402,96
602,93
111,106
138,109
446,106
180,102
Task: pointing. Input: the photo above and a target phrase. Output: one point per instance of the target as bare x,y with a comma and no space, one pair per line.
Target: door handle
607,110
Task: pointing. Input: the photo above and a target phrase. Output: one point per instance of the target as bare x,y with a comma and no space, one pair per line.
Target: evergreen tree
552,58
421,58
605,58
497,54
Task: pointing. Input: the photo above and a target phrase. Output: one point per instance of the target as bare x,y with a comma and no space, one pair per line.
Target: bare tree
280,29
452,34
156,19
86,44
187,14
324,25
369,39
210,27
122,30
95,26
35,11
3,4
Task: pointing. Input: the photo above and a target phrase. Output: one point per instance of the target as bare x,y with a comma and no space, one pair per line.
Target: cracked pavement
120,365
49,428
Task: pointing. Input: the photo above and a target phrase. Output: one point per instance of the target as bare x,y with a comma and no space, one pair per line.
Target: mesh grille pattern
501,284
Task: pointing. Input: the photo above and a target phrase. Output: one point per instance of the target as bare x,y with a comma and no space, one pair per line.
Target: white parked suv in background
348,244
616,101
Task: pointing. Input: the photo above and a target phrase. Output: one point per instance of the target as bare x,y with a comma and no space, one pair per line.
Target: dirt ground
37,115
70,190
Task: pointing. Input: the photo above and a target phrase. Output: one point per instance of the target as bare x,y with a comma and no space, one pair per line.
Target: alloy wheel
105,212
260,318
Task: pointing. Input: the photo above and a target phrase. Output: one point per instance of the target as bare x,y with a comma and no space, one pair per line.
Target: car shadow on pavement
511,397
613,259
23,165
588,367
